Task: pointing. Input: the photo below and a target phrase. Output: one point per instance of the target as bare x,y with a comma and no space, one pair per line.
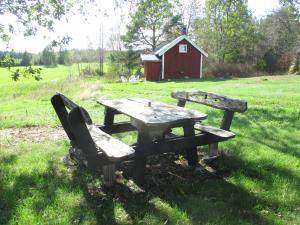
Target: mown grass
258,178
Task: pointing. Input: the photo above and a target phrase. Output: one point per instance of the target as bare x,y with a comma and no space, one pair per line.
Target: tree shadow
173,192
172,188
274,129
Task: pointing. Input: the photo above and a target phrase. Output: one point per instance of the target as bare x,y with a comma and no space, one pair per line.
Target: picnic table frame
153,120
94,147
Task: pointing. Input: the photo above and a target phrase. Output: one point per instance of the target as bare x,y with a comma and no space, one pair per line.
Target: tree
192,11
26,59
114,39
123,63
279,34
31,15
292,5
149,23
48,56
227,30
63,55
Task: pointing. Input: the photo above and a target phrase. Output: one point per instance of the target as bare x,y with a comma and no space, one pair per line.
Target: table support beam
191,153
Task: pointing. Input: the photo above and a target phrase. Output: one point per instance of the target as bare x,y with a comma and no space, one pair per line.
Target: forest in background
238,44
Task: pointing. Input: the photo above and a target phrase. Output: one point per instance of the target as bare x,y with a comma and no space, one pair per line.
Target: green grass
258,180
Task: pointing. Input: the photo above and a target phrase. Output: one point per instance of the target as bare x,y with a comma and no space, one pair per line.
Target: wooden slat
211,99
152,113
213,130
113,148
67,102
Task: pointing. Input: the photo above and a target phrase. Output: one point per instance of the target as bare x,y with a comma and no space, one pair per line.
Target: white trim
201,63
163,68
167,47
149,58
183,48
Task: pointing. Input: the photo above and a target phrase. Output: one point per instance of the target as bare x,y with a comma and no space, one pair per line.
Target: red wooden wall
152,70
178,65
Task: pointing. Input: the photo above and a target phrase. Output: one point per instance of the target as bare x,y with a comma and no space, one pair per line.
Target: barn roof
161,50
152,58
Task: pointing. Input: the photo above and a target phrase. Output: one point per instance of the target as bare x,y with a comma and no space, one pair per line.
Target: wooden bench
101,150
229,105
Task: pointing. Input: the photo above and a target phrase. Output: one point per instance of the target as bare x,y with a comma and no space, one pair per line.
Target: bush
90,71
284,61
227,70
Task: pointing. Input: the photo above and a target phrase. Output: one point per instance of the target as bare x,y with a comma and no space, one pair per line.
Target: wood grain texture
215,131
112,147
211,99
153,113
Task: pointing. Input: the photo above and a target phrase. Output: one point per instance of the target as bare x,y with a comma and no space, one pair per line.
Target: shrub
227,70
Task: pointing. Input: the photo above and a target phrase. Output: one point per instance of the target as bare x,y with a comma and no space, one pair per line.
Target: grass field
257,180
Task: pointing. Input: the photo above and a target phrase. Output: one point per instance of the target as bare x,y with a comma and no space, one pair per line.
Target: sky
84,30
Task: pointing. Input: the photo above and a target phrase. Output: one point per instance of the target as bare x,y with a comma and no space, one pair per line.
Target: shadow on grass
274,129
173,193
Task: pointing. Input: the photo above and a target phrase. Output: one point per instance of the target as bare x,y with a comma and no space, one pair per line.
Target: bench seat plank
213,130
112,147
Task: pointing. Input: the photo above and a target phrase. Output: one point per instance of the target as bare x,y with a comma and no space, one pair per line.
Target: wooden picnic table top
152,113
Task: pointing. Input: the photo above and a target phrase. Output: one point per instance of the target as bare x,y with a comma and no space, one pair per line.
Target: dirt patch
30,134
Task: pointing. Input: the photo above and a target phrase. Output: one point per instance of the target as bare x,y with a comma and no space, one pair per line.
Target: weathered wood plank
67,102
215,131
211,99
153,113
112,147
109,174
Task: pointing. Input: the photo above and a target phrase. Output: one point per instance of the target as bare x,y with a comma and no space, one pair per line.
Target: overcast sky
85,33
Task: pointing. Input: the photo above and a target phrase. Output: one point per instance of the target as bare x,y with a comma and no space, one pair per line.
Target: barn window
182,48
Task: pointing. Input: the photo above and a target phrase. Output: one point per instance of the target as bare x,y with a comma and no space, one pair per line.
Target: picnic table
153,120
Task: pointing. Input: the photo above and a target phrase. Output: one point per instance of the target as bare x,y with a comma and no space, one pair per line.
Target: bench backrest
62,106
229,105
211,99
79,121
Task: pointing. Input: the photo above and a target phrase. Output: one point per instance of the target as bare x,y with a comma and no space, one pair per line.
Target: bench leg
140,160
213,149
212,155
191,153
139,170
109,174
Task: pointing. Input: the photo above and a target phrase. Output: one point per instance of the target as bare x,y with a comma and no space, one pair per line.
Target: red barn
177,59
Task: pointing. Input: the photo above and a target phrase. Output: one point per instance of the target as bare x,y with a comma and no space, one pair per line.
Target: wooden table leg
140,159
191,153
109,115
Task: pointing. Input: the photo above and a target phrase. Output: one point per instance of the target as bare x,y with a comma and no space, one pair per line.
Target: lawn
257,180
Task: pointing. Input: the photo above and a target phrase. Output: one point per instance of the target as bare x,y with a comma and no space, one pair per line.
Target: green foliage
149,23
16,73
48,56
292,5
63,57
26,59
35,73
227,30
123,63
34,14
7,61
278,35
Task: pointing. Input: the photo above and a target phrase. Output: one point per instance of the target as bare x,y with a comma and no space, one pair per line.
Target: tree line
50,58
236,41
